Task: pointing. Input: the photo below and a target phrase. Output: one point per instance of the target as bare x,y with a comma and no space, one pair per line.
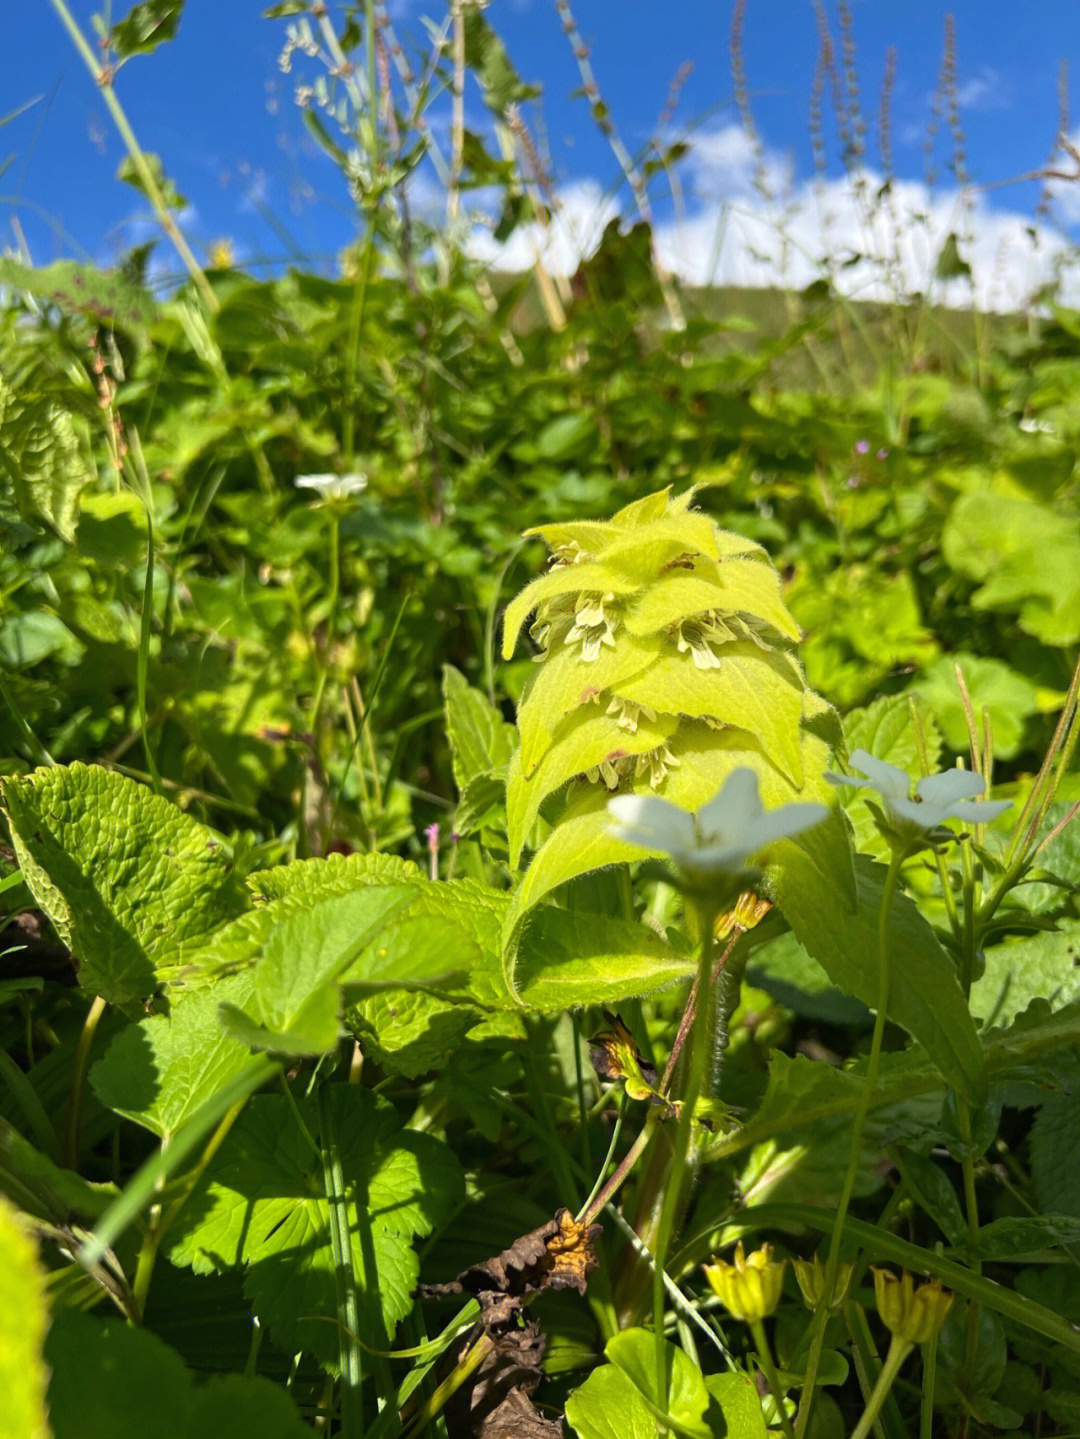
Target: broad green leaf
584,740
39,1186
158,1071
262,1204
146,26
683,1396
794,978
44,458
105,295
608,1406
933,1191
24,1317
754,690
1046,966
567,959
1055,1142
480,739
740,1404
150,1390
481,804
802,1131
410,1033
925,997
1010,697
737,586
306,881
885,730
564,682
126,877
1013,1239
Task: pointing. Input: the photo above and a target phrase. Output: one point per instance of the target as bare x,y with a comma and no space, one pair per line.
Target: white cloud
984,91
748,223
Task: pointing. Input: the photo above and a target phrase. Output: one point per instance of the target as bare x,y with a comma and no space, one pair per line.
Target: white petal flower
722,836
938,797
332,487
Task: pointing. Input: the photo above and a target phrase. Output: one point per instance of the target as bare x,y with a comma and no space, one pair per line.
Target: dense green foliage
310,901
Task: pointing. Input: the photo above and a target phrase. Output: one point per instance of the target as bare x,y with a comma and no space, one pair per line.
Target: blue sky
216,106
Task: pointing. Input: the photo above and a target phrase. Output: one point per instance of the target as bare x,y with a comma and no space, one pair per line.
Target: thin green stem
103,78
768,1368
873,1066
926,1416
78,1079
598,1200
348,1306
699,1057
899,1350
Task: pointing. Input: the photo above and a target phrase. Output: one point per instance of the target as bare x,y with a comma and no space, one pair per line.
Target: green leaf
24,1317
1010,697
126,877
740,1404
1009,1240
608,1406
925,997
567,959
150,1390
105,295
1046,966
145,27
410,1033
682,1400
262,1204
44,458
480,739
930,1188
130,173
306,881
157,1072
588,577
1055,1142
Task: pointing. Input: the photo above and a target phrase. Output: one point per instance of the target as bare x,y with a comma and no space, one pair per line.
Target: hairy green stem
699,1057
348,1307
821,1314
103,78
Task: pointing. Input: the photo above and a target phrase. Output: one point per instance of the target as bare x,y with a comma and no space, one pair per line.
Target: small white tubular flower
723,834
332,487
938,797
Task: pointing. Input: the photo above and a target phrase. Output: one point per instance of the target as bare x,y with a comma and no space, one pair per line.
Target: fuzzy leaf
1046,966
126,877
583,740
567,959
591,576
24,1316
262,1204
160,1070
925,997
306,881
150,1390
480,739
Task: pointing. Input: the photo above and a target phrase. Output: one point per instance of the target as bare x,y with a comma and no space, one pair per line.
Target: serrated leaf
159,1071
105,295
410,1033
150,1390
1055,1143
304,882
44,459
608,1406
125,876
480,739
925,997
584,739
1046,966
262,1204
567,959
24,1317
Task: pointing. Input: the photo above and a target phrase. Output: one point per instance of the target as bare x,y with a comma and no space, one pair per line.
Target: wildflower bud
750,1288
811,1276
747,913
914,1315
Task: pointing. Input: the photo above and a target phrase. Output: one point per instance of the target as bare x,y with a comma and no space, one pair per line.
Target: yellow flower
914,1315
811,1276
750,1288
